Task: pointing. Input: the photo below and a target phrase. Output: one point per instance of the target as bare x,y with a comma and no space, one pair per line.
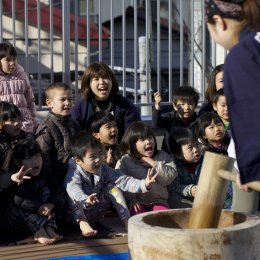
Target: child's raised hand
150,178
20,175
158,100
92,199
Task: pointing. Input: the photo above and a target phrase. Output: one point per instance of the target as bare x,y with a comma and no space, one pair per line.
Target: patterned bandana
224,8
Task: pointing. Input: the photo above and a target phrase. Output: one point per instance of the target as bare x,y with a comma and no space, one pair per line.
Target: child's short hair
82,142
96,70
7,50
211,82
98,119
204,121
218,94
185,93
136,131
25,148
54,86
179,137
8,111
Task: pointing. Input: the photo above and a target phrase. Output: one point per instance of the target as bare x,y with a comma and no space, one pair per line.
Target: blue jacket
123,110
185,179
78,185
242,89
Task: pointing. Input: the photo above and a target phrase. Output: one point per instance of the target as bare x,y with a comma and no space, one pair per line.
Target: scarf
225,8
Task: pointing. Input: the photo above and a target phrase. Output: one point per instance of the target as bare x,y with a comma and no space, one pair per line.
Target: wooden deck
73,248
72,245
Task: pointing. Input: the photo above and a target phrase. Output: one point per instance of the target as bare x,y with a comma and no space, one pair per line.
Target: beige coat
167,173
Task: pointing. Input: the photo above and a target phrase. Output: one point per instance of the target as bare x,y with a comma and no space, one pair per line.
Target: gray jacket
166,174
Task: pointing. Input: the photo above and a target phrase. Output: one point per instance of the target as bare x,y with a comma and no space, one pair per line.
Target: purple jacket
242,89
123,110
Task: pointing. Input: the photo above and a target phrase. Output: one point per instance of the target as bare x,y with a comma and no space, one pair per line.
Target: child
10,131
142,154
15,87
102,126
211,132
215,83
12,219
54,135
220,106
185,100
91,185
188,159
99,89
33,196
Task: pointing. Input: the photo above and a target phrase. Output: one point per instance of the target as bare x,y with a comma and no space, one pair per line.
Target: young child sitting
10,131
91,185
141,155
54,135
211,132
102,126
188,159
220,106
185,100
15,86
33,195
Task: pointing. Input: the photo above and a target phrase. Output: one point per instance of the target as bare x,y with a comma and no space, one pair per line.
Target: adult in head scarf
235,25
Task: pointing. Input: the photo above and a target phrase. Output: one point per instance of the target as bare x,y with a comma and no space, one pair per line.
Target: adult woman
99,88
228,23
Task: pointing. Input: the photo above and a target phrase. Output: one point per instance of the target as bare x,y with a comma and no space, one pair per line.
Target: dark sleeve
163,121
177,185
5,180
78,113
46,142
242,89
156,117
132,114
26,200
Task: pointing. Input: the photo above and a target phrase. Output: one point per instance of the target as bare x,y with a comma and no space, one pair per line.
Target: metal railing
151,45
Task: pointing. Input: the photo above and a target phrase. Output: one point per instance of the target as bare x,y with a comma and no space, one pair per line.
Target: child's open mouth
149,149
113,137
103,90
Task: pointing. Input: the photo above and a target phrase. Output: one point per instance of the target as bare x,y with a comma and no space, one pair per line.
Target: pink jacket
15,88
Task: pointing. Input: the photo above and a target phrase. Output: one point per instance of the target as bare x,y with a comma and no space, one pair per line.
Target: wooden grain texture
77,248
74,244
163,236
211,191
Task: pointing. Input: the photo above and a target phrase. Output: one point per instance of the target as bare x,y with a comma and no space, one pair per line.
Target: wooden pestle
211,191
215,173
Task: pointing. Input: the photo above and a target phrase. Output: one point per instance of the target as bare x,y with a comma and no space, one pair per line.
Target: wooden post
211,191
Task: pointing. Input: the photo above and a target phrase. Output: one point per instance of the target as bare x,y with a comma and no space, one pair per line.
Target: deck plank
77,248
72,245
